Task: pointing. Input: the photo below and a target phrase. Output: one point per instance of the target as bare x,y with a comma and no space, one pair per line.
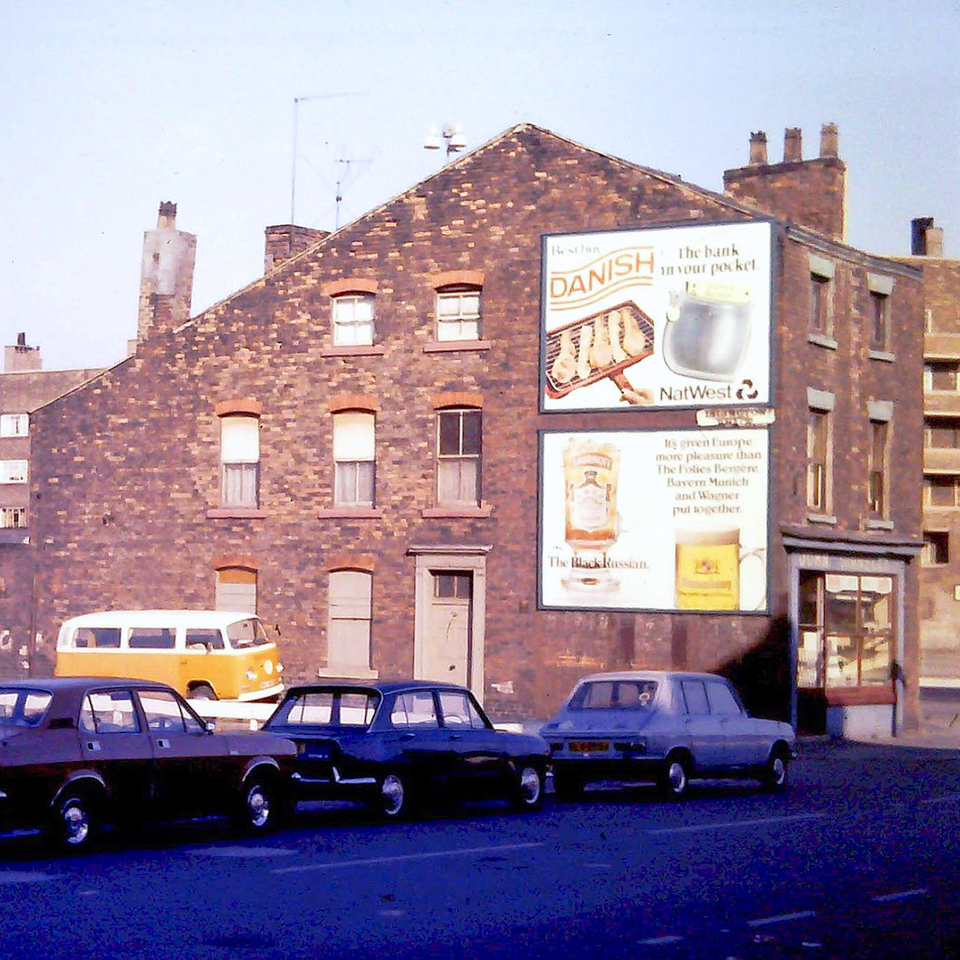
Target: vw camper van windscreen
247,633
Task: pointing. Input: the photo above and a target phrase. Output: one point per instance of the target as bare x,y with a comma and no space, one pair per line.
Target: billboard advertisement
661,317
671,520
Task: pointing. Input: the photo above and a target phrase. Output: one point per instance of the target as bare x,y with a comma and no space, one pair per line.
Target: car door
477,762
700,729
416,739
736,743
113,742
192,769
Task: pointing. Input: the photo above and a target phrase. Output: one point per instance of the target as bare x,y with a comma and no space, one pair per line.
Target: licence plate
589,746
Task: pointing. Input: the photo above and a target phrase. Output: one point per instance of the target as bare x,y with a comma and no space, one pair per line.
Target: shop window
458,314
240,461
237,589
13,471
353,315
942,433
14,425
877,474
348,627
940,490
458,457
12,518
936,548
879,321
941,376
354,458
846,630
819,457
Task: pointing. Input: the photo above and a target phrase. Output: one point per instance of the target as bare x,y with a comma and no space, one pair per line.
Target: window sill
349,673
884,355
236,513
821,340
350,513
821,518
880,524
353,351
455,512
453,346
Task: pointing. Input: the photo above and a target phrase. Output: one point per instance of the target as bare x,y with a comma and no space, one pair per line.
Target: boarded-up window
348,632
237,589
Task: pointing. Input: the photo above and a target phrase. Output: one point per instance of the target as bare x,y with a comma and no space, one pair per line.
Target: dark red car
78,753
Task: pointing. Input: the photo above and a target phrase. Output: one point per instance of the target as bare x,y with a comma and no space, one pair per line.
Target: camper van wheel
202,691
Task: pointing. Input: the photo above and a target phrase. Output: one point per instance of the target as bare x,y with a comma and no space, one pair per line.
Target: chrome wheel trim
778,771
531,785
676,777
76,823
391,795
258,806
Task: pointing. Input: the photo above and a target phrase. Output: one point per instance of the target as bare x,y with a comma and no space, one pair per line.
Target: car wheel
259,806
776,771
675,777
567,786
202,691
74,822
393,798
528,789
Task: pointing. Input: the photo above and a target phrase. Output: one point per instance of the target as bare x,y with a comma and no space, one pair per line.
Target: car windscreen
328,708
247,633
614,695
23,708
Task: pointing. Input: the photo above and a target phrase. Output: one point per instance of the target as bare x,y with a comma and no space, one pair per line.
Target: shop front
847,603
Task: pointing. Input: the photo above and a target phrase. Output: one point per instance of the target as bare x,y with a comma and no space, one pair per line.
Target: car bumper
265,694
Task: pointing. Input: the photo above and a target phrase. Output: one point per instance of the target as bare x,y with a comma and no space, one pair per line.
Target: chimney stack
166,275
21,358
758,147
283,241
809,193
792,150
926,240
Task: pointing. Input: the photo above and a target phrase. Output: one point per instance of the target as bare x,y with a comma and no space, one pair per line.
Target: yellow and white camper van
209,654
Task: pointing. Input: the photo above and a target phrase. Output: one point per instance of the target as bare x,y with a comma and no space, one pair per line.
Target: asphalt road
860,858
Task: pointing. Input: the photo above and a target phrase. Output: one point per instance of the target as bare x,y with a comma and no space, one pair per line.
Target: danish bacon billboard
661,317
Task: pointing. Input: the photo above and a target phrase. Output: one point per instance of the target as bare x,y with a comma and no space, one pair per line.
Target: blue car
665,728
392,746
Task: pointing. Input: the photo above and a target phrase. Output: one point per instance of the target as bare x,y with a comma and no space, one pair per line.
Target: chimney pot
758,147
829,140
21,339
167,218
792,149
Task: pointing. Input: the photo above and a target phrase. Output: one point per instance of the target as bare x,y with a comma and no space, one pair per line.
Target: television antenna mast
345,167
296,123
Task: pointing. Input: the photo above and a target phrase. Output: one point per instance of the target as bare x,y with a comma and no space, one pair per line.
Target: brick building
489,430
940,569
24,385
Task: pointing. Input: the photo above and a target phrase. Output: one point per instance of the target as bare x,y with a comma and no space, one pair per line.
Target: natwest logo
585,285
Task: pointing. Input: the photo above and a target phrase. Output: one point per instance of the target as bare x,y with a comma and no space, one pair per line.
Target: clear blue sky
107,108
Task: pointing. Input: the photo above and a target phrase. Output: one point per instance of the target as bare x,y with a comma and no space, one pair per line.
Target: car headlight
251,674
279,667
268,667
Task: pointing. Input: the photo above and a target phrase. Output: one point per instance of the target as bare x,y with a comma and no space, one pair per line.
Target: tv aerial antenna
344,167
296,124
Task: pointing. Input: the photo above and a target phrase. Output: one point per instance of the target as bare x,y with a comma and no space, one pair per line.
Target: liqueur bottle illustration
590,473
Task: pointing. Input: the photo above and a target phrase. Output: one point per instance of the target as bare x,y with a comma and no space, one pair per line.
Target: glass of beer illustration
590,474
708,568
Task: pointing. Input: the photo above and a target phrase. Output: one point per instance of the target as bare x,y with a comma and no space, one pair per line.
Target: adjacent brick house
24,386
355,445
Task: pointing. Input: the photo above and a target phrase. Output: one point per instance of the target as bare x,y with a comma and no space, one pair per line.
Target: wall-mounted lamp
456,141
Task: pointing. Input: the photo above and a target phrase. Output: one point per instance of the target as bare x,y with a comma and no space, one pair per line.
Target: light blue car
666,728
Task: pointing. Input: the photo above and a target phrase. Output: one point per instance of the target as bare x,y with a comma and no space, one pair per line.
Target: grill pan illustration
600,345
